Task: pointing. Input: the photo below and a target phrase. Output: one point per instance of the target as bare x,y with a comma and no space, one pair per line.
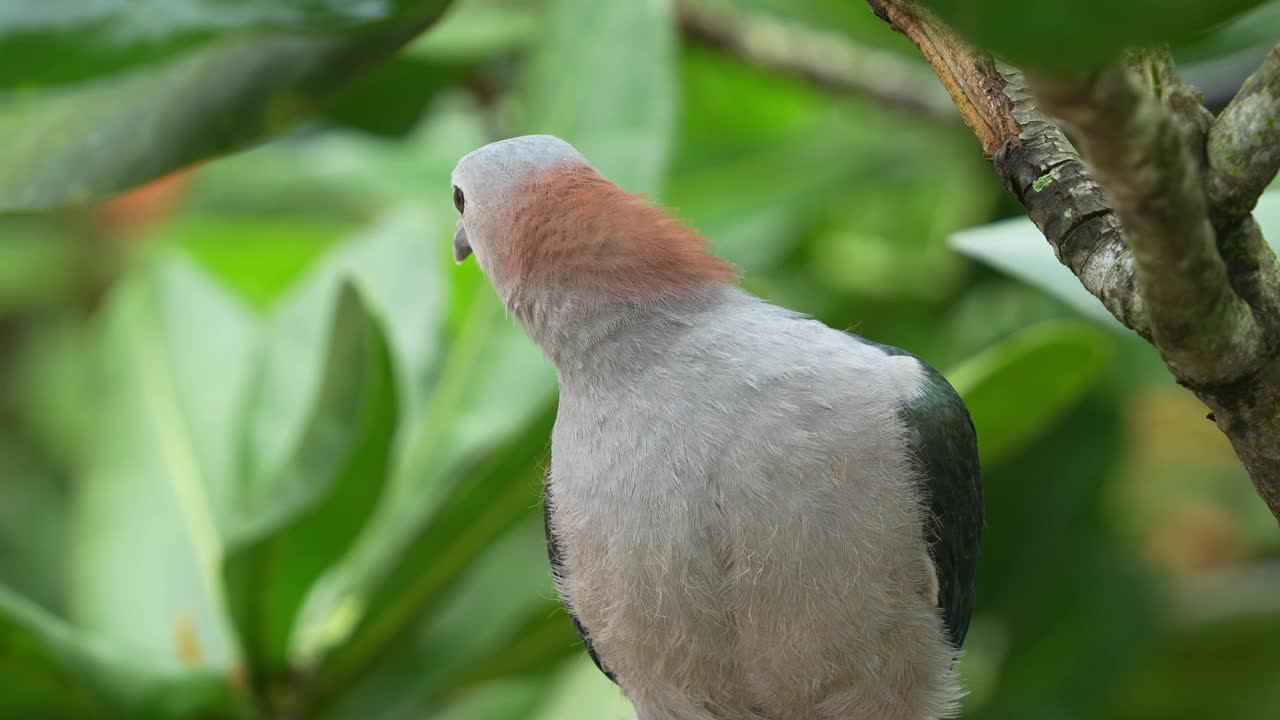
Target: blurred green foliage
1064,35
265,453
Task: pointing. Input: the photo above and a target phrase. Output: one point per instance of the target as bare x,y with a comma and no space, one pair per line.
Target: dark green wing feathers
945,444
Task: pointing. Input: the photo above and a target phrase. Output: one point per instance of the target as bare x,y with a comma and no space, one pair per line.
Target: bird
749,515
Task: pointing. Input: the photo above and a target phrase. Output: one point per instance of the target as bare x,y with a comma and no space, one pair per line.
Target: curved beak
461,248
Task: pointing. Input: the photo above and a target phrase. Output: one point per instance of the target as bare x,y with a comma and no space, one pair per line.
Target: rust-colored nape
576,229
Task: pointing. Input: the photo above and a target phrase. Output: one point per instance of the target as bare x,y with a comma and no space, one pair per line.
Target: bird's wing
945,445
558,569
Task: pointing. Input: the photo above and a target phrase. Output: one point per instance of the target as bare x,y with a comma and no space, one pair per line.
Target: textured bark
968,76
1244,142
1153,226
1043,172
1138,150
1242,154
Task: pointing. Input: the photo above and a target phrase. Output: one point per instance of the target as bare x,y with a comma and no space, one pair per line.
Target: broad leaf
1054,362
50,670
43,670
36,264
255,256
604,80
470,489
480,30
397,270
346,175
501,591
158,479
69,40
71,147
1257,28
323,496
1058,35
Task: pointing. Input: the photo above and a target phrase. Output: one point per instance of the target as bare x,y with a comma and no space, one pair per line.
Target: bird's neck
585,335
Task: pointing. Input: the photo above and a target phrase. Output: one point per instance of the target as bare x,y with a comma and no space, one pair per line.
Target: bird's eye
458,200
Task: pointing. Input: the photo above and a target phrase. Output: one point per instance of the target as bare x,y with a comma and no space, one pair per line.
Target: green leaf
33,516
480,30
604,80
50,670
66,40
392,99
1058,35
38,264
501,593
71,147
398,273
256,257
157,488
1017,247
462,487
44,670
346,176
1054,362
1257,28
324,494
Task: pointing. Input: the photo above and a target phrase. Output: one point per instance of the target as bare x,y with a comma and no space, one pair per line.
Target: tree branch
1242,155
1244,142
967,76
1045,174
1138,151
825,59
1032,158
1149,246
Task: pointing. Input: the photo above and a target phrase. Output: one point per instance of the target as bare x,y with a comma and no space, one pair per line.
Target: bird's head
543,223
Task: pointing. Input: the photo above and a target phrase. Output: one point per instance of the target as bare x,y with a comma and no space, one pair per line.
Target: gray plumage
751,516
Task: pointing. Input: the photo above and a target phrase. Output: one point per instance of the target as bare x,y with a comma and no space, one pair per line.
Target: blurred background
265,452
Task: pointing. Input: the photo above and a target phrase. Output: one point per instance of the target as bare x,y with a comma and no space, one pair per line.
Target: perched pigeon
750,515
